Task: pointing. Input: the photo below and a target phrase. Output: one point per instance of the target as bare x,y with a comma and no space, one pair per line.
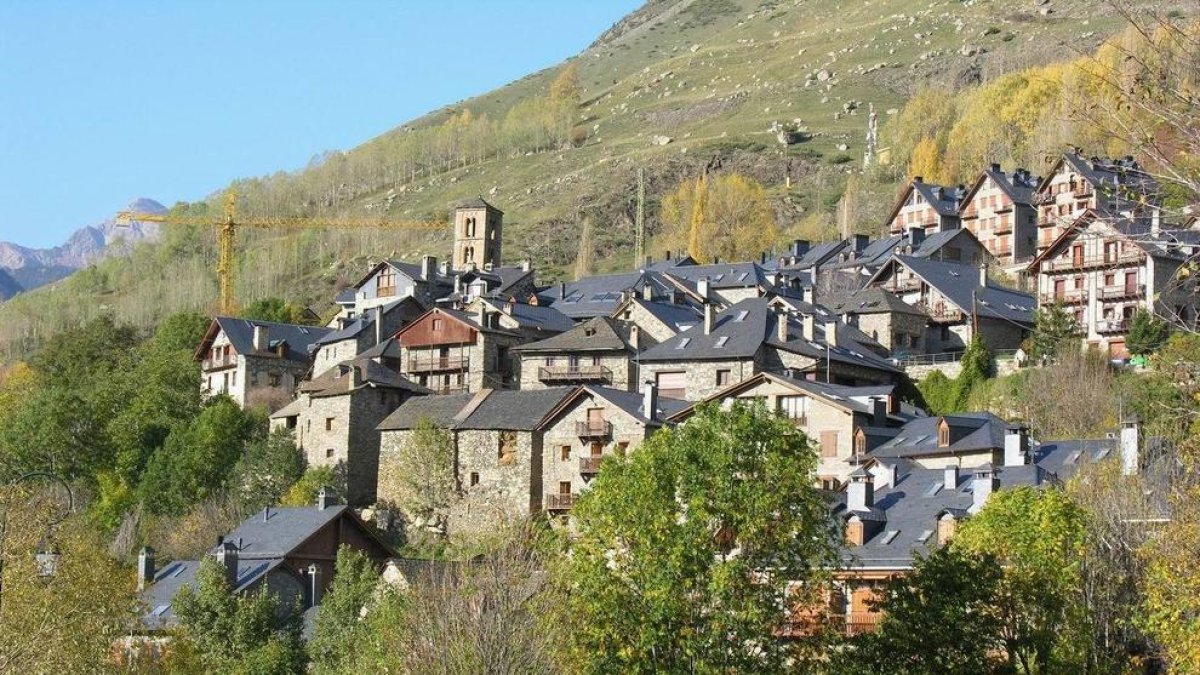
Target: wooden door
1131,283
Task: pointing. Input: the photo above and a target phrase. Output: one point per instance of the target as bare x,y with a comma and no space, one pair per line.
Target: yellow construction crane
227,230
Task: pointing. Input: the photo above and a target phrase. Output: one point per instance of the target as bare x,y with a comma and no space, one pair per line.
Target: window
829,442
564,487
437,324
507,450
672,385
233,378
943,434
793,407
273,379
385,283
622,448
723,377
328,452
328,424
860,443
564,453
549,361
474,478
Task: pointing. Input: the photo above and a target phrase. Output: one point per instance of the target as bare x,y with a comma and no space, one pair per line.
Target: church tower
478,228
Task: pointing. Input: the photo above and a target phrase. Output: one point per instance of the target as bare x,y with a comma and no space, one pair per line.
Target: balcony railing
1082,191
590,465
1071,263
418,364
448,388
560,502
219,362
943,313
1071,296
857,623
947,357
1112,326
600,374
1122,292
593,429
912,284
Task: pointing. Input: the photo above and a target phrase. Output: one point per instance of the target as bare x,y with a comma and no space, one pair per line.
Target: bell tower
478,230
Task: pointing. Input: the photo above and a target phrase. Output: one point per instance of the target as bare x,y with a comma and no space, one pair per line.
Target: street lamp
48,554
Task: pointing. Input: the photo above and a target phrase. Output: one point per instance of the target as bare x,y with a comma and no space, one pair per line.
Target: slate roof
675,316
1020,185
944,199
1103,171
499,279
722,275
633,403
848,398
439,410
173,577
517,410
389,348
874,300
301,340
476,203
957,282
816,255
601,295
372,375
668,263
533,317
596,334
362,322
970,432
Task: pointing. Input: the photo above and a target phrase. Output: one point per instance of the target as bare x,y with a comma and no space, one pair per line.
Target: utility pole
639,244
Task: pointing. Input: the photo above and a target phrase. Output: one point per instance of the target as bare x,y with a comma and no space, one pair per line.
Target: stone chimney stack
378,310
809,323
781,326
428,267
482,314
950,477
879,410
710,317
262,338
1016,445
650,400
353,378
324,498
831,333
860,493
810,294
1130,461
916,237
314,583
145,568
227,558
983,275
983,484
647,291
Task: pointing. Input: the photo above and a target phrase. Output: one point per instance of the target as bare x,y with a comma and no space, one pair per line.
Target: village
539,387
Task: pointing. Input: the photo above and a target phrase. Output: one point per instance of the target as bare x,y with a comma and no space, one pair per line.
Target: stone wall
897,331
701,375
564,448
506,487
619,364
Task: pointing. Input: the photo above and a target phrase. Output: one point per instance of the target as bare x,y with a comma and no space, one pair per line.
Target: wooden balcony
1114,292
912,284
593,429
576,374
219,362
1072,296
448,388
857,623
590,466
560,501
943,313
1082,191
426,364
1112,326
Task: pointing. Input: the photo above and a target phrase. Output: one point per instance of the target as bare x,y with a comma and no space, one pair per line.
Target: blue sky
103,102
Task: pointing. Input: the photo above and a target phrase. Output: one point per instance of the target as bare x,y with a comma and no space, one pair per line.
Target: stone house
392,280
645,323
334,419
843,423
756,336
999,210
1074,184
502,283
933,208
453,351
958,300
893,323
1103,269
255,362
723,283
350,337
289,551
852,269
592,352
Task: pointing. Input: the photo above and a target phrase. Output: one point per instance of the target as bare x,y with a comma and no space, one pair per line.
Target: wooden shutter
672,385
829,442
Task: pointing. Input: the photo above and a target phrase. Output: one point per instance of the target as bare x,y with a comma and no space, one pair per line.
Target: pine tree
1053,328
1147,333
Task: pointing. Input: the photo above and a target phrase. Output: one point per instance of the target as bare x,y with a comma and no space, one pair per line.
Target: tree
305,490
1053,329
246,633
587,251
267,469
340,632
425,472
1147,333
724,216
278,310
944,395
926,161
937,620
1171,606
1038,538
687,551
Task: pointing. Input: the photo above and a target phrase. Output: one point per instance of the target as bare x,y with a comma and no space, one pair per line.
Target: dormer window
860,443
943,434
945,528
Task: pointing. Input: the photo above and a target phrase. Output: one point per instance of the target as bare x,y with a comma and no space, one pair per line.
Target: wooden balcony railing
589,466
1070,296
1071,263
218,362
943,313
601,374
560,501
419,364
593,429
1122,292
857,623
1112,326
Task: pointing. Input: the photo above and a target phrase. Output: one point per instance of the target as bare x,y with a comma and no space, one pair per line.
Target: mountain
34,267
676,88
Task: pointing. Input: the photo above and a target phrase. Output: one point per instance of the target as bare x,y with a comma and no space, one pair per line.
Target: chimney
324,498
1155,220
562,290
916,236
781,327
445,268
428,267
860,493
810,327
983,275
262,338
314,580
667,256
831,333
647,262
1016,445
716,260
762,258
378,309
1129,446
227,557
703,288
512,302
918,179
635,338
799,247
353,378
810,294
650,400
950,477
527,265
710,317
481,314
457,284
145,568
647,291
983,484
995,168
860,242
879,411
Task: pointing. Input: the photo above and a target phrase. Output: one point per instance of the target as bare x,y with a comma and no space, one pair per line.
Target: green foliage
304,491
426,470
337,645
1038,538
944,395
249,633
1147,333
278,311
655,583
1053,330
939,620
267,469
196,459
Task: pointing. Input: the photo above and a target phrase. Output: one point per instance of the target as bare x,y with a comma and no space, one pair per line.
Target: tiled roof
371,374
960,283
301,340
595,334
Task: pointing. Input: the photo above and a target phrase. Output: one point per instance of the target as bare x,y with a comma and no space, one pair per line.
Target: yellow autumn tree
725,216
926,161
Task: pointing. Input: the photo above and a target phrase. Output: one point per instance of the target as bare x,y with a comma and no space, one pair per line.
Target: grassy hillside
711,75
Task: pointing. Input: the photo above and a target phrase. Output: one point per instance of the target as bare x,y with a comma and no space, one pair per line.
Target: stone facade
899,332
499,473
609,369
478,235
702,378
